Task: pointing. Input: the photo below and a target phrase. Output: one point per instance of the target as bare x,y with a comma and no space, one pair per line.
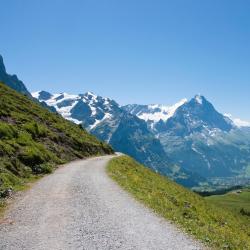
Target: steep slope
11,80
33,140
125,132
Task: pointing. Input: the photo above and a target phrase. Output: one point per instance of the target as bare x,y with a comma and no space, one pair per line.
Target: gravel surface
80,207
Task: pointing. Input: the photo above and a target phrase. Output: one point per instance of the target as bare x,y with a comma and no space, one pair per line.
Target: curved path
80,207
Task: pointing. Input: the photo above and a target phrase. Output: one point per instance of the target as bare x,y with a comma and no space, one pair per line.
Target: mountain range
189,141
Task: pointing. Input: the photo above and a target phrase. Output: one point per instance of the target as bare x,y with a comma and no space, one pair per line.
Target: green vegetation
215,226
238,202
34,140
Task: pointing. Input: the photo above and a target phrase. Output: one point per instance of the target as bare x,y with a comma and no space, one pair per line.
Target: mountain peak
42,95
90,94
12,80
199,99
2,67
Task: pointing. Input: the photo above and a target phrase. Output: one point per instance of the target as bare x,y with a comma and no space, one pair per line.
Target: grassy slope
234,202
33,140
218,228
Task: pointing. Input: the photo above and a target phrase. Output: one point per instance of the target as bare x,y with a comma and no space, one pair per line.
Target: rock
6,193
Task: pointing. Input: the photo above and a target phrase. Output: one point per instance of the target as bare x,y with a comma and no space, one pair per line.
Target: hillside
211,224
237,201
33,140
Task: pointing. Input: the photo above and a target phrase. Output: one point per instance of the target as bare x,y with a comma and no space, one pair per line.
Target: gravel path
80,207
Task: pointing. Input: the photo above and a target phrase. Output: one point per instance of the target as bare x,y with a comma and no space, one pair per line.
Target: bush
6,148
8,180
7,131
24,139
35,129
245,212
45,168
32,156
17,168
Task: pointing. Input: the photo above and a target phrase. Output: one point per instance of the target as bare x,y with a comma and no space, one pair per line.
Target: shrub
31,155
24,139
245,212
45,168
18,168
6,148
7,131
35,129
8,180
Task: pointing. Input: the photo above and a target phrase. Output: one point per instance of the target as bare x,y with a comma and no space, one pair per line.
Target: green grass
33,140
215,226
234,202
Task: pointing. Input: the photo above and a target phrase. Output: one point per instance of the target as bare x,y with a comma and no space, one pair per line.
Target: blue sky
134,51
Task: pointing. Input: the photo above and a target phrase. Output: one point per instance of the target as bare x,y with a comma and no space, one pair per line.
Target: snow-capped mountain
156,115
197,115
87,109
154,112
197,137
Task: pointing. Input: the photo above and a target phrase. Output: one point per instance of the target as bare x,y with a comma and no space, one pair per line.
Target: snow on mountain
87,108
198,99
36,94
188,115
237,121
154,112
